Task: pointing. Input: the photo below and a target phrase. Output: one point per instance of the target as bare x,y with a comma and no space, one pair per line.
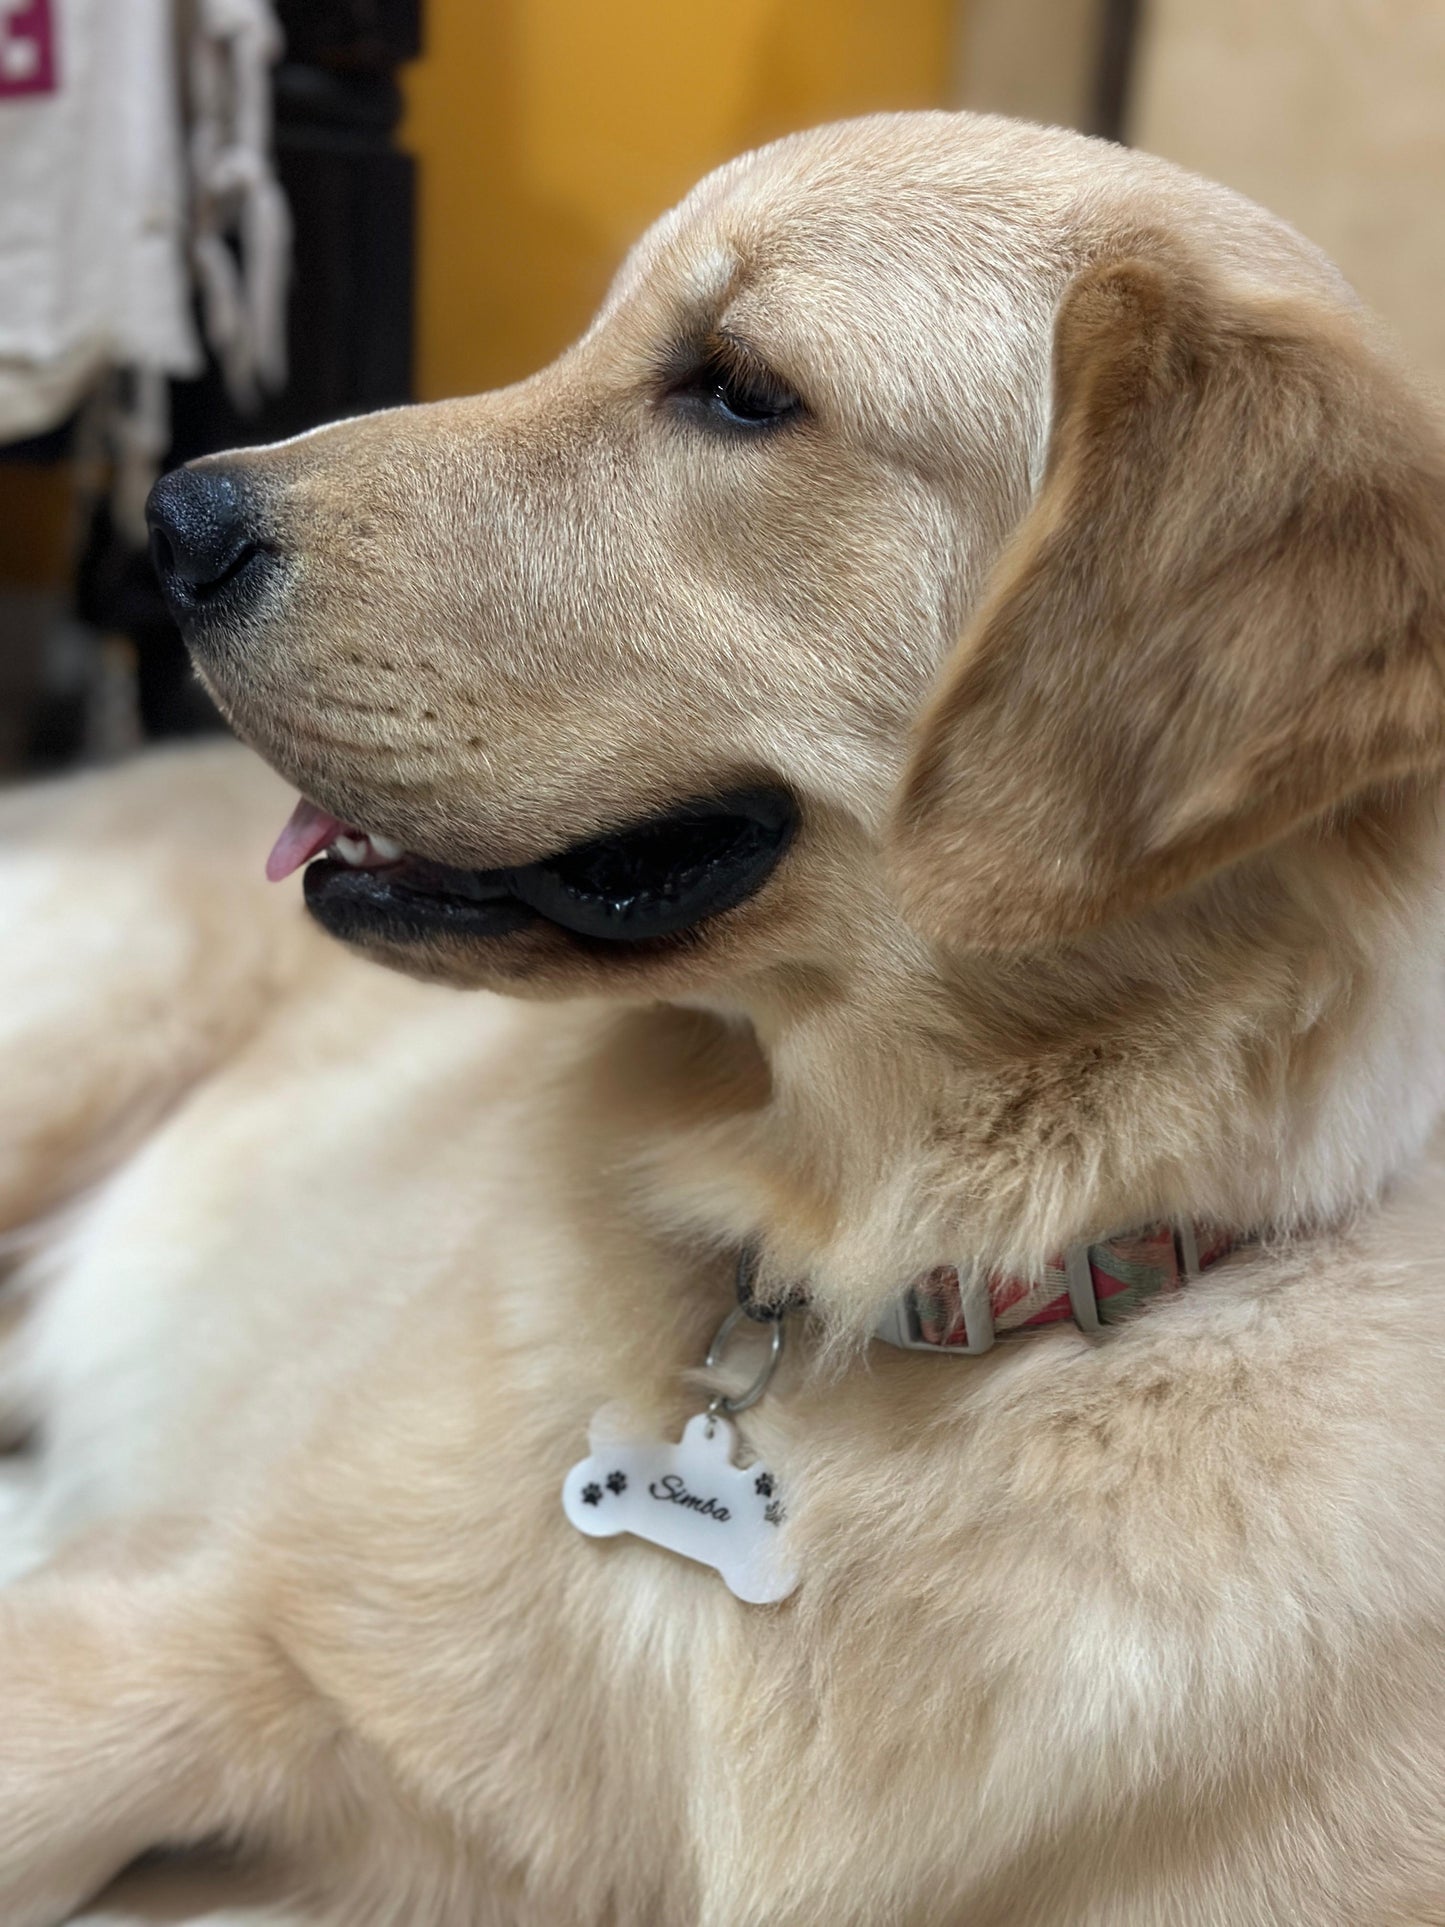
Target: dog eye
751,400
735,390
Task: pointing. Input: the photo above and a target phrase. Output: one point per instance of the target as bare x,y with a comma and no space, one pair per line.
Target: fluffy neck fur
1265,1052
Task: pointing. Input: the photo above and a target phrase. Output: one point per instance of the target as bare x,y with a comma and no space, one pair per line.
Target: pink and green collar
967,1309
961,1308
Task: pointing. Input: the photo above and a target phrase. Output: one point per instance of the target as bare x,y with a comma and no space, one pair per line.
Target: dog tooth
351,850
383,847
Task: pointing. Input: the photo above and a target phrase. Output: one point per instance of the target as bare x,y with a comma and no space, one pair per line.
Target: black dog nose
201,535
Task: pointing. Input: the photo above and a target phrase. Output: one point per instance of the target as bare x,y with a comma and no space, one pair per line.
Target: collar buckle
901,1323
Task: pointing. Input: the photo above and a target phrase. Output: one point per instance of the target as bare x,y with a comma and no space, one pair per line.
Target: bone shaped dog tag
690,1498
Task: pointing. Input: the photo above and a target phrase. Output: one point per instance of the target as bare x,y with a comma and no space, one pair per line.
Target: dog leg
197,1893
142,943
138,1714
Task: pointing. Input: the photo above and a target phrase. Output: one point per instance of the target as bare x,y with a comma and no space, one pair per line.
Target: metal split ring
740,1402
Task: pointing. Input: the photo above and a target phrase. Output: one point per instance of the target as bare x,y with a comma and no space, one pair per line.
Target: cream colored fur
323,1270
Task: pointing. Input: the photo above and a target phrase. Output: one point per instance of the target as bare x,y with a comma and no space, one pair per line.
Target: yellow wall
549,133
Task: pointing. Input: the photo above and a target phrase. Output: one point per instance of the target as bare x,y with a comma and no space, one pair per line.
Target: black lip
356,904
651,880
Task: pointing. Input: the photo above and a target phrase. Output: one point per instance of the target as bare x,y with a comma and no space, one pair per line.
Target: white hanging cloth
107,209
241,227
92,270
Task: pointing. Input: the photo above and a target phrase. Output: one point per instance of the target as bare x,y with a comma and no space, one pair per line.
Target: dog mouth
651,879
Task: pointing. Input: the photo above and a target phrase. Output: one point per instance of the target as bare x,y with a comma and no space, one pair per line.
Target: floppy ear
1224,615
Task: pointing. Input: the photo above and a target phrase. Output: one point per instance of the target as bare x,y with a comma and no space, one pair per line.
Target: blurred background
228,220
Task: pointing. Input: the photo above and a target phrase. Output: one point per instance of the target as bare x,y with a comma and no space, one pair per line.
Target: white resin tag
690,1498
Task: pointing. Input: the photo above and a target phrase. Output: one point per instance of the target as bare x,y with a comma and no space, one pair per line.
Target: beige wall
1330,112
1035,59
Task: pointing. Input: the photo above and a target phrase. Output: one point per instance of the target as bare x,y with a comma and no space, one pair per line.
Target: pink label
27,48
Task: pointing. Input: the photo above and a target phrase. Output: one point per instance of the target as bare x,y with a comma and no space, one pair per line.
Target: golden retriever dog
933,715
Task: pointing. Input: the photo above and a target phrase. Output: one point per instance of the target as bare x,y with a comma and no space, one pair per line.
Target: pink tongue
308,831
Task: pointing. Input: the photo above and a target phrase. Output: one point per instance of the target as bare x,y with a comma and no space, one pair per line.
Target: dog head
948,532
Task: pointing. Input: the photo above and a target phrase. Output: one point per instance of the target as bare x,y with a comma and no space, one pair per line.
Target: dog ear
1224,615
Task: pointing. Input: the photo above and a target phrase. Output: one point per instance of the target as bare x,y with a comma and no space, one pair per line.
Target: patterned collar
964,1309
959,1308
